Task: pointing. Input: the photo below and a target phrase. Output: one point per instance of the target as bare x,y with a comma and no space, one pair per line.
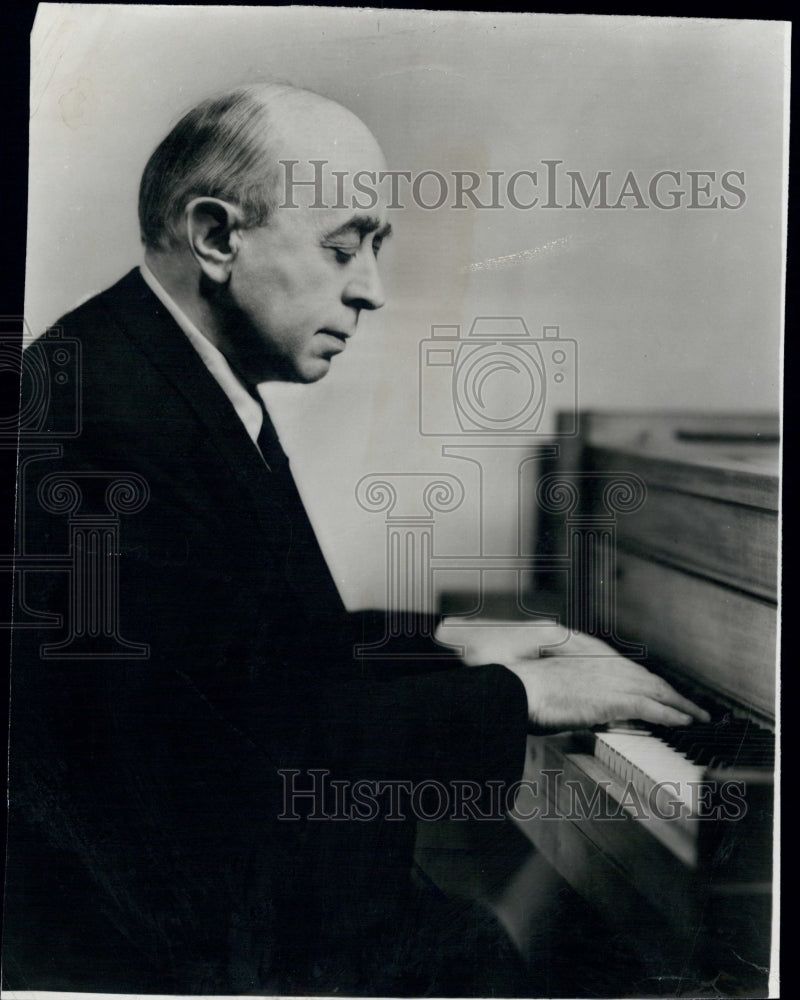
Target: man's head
277,284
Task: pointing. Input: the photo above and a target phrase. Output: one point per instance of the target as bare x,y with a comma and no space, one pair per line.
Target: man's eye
343,254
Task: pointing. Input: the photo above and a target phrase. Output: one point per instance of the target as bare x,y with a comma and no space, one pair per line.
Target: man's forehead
332,170
333,181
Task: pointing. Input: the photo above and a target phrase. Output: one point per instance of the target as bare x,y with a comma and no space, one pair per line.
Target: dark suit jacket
145,849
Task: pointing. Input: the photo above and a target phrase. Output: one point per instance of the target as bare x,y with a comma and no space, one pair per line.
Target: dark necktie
304,563
269,444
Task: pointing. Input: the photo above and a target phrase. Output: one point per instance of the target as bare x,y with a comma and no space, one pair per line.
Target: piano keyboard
665,766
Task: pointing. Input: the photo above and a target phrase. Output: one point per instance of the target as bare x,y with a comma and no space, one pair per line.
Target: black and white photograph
395,558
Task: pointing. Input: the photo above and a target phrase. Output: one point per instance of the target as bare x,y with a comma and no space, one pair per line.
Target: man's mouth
336,334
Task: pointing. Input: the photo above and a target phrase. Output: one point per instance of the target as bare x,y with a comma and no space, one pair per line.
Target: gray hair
219,149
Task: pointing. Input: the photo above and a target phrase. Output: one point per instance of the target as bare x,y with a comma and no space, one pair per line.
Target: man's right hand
573,692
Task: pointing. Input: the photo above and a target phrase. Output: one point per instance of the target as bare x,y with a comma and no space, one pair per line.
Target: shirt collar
247,407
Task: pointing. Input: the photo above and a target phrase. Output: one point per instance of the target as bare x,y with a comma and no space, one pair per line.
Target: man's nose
364,290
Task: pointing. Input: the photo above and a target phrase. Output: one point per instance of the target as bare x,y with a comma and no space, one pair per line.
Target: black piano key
725,742
744,759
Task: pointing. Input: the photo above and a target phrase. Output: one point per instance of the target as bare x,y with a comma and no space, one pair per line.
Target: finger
548,640
575,644
659,690
589,645
641,680
676,700
659,714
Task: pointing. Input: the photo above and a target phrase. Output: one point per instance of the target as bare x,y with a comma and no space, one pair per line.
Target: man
151,849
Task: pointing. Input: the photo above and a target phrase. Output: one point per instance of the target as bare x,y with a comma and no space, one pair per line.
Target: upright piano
668,833
639,861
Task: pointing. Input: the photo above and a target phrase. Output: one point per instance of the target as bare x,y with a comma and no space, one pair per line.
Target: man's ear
213,232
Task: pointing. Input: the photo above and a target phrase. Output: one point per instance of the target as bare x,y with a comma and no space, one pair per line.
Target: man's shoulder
103,353
97,330
110,306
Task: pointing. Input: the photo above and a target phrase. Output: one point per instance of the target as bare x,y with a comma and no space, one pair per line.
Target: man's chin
308,373
304,373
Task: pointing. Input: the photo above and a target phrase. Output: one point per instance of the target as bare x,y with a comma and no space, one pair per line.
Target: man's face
299,283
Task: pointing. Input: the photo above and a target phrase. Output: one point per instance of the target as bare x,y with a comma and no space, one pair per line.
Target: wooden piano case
693,578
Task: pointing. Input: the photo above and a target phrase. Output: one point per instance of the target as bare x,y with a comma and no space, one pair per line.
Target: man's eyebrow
363,225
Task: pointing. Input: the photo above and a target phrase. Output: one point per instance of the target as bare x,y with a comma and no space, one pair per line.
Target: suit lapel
145,321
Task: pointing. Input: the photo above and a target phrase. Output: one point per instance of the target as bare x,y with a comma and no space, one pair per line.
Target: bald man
152,846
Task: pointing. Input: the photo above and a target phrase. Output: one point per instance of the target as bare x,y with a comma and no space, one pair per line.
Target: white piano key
646,762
